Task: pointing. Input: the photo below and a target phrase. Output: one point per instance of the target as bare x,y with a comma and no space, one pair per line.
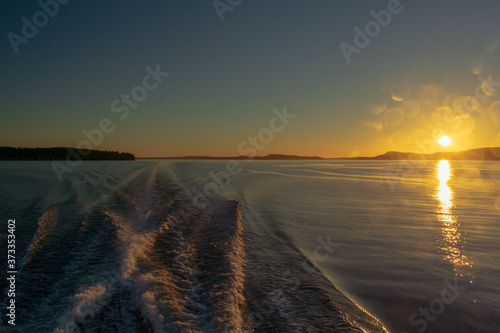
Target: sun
444,141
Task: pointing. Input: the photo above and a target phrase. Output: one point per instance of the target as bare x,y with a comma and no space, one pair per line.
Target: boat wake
125,255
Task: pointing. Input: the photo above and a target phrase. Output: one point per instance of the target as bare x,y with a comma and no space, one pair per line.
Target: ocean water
273,246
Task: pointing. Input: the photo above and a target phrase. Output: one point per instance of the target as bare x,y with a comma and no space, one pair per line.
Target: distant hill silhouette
478,154
60,153
267,157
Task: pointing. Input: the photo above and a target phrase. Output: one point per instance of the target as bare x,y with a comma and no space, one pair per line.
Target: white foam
86,304
46,223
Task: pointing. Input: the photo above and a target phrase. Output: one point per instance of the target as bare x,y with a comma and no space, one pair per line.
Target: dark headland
61,153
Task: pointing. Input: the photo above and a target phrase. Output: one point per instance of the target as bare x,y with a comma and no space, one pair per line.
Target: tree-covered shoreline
61,153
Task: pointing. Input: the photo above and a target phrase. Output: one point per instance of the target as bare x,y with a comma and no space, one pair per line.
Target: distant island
479,154
270,157
60,153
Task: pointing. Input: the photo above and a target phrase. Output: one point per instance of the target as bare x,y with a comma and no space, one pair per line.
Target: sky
339,82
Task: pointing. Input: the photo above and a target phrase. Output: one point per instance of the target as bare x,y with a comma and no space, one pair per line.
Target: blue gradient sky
226,77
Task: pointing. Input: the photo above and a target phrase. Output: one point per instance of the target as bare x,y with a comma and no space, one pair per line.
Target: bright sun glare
444,141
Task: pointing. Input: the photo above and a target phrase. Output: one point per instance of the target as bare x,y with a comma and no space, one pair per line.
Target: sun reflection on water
453,240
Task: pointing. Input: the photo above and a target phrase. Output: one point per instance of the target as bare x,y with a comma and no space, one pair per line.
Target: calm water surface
330,246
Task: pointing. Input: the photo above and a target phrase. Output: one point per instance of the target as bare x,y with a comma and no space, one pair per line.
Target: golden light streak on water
453,240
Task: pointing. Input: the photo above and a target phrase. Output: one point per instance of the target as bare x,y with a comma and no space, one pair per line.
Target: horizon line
240,157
